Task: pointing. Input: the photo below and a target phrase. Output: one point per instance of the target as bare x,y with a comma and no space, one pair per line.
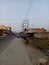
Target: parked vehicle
19,35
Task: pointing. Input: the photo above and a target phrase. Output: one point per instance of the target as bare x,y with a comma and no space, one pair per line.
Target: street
15,53
5,41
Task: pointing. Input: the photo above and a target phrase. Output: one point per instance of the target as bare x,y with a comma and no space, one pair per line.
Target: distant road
5,41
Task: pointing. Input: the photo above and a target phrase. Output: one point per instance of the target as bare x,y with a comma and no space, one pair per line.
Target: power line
28,9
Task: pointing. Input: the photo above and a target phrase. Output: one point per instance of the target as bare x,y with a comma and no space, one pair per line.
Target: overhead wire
28,9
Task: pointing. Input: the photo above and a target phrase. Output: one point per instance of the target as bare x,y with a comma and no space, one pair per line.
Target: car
19,35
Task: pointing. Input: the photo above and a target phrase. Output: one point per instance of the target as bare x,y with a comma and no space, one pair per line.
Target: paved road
15,54
5,41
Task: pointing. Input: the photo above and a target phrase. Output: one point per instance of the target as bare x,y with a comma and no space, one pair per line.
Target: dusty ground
34,53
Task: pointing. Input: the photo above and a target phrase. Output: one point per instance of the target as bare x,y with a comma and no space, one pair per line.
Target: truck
4,29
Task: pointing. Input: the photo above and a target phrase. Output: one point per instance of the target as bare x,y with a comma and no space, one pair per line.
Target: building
35,30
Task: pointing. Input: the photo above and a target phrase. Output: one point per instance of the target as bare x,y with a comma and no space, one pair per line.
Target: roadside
34,53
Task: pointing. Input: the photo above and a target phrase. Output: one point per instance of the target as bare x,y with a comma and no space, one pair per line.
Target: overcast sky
13,12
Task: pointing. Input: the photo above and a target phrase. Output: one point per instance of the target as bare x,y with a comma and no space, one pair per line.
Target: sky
13,12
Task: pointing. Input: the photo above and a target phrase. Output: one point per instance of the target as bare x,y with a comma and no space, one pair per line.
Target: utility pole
25,24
